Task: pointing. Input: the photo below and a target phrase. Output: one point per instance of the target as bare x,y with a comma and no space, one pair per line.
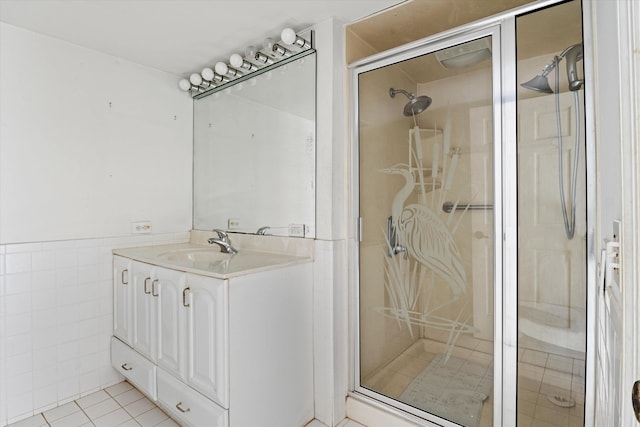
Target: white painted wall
330,267
88,143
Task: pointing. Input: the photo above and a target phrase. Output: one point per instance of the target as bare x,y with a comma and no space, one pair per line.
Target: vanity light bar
254,61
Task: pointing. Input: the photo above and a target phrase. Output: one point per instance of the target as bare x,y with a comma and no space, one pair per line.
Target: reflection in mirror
254,154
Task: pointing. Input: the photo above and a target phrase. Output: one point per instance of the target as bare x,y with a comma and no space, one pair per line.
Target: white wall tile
17,263
44,377
19,283
20,383
69,389
66,277
45,260
44,359
88,255
22,248
19,405
18,344
18,304
45,338
43,280
43,300
45,318
16,324
44,397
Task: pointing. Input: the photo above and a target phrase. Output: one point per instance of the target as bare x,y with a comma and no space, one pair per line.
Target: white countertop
221,266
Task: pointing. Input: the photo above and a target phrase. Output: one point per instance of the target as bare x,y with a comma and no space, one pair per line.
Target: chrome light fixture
255,61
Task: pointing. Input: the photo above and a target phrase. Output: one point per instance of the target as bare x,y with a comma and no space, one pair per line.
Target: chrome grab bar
448,207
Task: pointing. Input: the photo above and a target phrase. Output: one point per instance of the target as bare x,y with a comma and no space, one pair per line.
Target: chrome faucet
223,241
262,230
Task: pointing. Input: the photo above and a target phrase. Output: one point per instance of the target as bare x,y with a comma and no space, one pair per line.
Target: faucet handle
222,235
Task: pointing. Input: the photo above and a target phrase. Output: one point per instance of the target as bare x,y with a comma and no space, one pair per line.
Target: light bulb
221,68
271,46
184,84
250,51
236,60
288,36
268,44
207,74
239,62
195,79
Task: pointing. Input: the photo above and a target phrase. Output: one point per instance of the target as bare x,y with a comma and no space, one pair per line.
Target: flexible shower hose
569,224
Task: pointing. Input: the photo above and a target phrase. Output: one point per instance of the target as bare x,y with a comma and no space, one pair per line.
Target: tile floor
118,405
540,374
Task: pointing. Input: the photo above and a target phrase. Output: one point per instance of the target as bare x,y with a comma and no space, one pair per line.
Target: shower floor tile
540,374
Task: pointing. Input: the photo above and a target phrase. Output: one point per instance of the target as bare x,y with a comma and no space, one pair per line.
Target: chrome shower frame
502,28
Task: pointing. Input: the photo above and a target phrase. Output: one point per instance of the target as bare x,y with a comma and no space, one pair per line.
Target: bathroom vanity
216,339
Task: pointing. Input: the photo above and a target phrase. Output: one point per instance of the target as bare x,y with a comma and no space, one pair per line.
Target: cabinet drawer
187,405
134,367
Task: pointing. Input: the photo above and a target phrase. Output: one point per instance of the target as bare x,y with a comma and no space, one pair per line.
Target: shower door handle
635,399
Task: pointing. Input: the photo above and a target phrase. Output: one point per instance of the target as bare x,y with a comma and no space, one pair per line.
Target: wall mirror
254,153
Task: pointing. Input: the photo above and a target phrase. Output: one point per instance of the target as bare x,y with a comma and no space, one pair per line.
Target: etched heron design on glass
431,256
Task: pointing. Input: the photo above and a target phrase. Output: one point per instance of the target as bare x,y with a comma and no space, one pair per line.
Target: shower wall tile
56,317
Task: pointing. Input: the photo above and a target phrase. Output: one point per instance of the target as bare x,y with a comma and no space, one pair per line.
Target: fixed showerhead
539,83
416,104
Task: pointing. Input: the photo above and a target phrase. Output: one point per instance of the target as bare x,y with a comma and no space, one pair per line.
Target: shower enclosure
471,291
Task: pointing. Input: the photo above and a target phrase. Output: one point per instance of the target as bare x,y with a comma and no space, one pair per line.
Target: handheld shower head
571,55
416,104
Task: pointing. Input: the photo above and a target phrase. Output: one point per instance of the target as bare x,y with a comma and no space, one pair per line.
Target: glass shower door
552,223
427,246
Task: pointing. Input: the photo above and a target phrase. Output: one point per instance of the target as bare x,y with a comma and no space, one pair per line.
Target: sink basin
194,256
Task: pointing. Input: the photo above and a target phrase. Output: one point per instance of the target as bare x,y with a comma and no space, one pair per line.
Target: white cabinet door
122,298
144,310
207,337
170,287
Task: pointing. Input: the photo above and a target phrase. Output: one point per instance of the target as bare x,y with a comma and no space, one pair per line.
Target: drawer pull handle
179,407
184,297
145,285
125,367
124,282
153,288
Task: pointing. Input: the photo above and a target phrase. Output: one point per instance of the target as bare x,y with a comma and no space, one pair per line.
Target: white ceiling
177,36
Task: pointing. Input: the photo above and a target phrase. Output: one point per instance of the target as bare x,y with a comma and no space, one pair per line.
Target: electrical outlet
233,223
296,230
141,227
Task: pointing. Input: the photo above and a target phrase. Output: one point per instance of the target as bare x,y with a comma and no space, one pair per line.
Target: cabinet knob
145,285
153,288
181,409
125,367
124,282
